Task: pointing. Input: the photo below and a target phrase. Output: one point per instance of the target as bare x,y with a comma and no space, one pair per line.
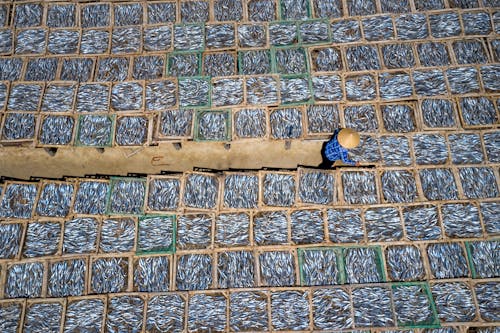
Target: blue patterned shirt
334,151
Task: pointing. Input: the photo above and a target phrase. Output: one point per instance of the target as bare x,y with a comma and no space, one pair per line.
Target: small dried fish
277,269
345,31
84,314
55,199
294,9
92,98
463,80
194,272
319,267
228,10
28,15
361,7
91,198
478,182
290,310
127,96
454,302
360,87
235,269
165,313
164,194
24,280
19,126
411,26
332,309
283,33
161,12
487,298
430,149
447,260
32,41
445,24
477,111
41,69
326,59
252,35
176,123
395,85
248,311
399,186
286,123
362,57
232,229
220,64
433,54
438,184
127,196
459,155
270,227
377,27
362,265
194,92
291,61
160,95
241,191
404,263
421,223
398,56
117,235
429,83
194,231
250,123
359,187
43,317
128,14
158,38
395,150
95,15
279,190
327,8
490,212
11,317
156,233
261,90
125,314
227,92
109,275
438,113
314,32
362,118
188,37
57,130
372,307
470,52
345,225
294,90
201,191
461,220
327,88
151,274
322,118
18,200
490,74
148,67
484,258
126,40
412,305
41,239
95,130
63,41
383,224
194,11
80,235
316,187
261,10
67,278
24,97
218,36
476,23
131,131
307,226
184,64
207,313
10,240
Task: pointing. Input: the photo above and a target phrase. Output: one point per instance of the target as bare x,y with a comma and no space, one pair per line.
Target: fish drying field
407,242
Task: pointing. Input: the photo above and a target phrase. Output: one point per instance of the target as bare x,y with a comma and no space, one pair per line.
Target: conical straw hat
348,138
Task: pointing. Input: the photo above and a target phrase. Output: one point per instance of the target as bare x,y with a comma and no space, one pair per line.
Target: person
337,147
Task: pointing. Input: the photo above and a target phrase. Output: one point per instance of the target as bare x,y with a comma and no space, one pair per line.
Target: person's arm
345,157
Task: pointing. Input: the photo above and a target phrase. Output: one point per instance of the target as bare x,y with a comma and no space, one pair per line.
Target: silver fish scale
193,92
478,182
228,10
24,280
232,229
67,278
125,314
485,258
491,216
438,113
155,233
164,194
277,269
95,130
492,145
10,240
261,90
131,131
290,310
201,191
404,263
91,198
55,200
241,191
294,90
421,223
447,260
286,123
454,302
127,196
395,150
227,92
322,118
361,265
165,313
18,201
194,272
412,305
176,123
19,126
372,307
279,190
248,311
160,95
207,313
250,123
291,61
399,186
461,220
438,184
345,225
213,125
281,34
487,298
270,228
332,309
151,274
367,151
84,314
477,111
194,231
43,317
362,118
430,149
307,226
316,187
359,187
319,268
42,239
459,154
236,269
109,275
117,235
11,317
57,130
261,10
58,98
